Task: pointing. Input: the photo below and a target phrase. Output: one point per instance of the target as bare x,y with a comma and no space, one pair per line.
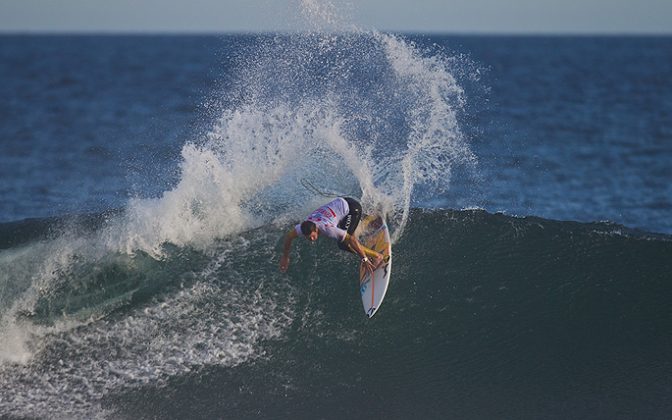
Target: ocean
146,182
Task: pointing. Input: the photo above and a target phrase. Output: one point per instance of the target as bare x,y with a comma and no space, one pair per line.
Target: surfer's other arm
284,260
363,252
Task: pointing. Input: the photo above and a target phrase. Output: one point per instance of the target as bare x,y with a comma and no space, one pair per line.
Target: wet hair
307,227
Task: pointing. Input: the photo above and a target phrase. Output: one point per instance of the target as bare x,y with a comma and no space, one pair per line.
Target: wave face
487,316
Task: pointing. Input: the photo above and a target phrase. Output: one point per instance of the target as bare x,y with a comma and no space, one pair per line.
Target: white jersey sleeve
334,233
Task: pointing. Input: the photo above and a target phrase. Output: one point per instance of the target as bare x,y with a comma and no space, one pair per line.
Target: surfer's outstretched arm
284,260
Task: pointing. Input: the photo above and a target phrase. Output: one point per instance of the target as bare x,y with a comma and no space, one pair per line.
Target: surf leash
312,188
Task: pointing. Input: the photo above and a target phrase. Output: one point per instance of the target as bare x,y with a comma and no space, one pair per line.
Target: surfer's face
312,236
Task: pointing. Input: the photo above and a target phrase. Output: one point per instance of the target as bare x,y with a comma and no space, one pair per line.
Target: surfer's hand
284,263
369,267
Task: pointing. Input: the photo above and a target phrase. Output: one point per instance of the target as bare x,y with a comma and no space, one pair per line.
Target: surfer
338,220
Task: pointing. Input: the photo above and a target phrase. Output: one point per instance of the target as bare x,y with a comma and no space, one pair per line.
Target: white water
358,112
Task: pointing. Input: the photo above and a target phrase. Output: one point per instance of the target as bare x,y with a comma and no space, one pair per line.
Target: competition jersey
327,219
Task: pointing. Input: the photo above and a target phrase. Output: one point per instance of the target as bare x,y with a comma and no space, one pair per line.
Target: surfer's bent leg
350,223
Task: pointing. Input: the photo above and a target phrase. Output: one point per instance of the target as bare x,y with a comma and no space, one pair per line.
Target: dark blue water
89,121
564,128
576,128
146,183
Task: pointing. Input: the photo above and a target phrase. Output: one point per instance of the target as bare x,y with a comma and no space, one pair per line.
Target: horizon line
182,32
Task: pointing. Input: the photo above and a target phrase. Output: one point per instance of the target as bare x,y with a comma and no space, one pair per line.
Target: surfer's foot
377,261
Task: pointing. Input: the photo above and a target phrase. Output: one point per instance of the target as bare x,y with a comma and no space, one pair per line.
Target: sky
447,16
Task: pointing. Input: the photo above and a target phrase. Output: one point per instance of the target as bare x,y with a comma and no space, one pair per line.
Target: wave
108,328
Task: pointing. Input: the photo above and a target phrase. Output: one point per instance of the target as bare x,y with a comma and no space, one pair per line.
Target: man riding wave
338,220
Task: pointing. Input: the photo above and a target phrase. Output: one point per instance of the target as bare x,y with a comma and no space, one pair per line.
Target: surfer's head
309,229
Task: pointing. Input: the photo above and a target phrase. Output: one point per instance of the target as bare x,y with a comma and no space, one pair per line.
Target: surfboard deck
375,234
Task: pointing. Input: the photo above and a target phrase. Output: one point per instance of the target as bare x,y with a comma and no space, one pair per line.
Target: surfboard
373,287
